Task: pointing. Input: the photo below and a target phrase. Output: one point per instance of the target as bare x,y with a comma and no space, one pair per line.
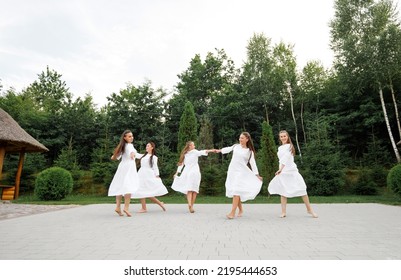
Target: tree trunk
395,108
302,121
293,117
397,154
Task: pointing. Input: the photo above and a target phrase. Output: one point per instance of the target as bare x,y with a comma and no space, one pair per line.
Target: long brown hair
119,150
184,151
153,153
288,141
249,143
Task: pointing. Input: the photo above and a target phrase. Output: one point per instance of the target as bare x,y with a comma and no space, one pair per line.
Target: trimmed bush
54,183
394,179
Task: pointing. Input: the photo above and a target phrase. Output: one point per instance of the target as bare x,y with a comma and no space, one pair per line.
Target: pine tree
267,157
188,126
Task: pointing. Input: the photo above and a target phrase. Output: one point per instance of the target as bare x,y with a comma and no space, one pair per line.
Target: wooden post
2,154
19,172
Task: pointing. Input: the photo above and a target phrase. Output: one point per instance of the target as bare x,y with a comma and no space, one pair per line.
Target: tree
257,84
211,183
78,120
188,126
139,109
210,85
50,92
267,156
312,82
362,43
50,96
322,165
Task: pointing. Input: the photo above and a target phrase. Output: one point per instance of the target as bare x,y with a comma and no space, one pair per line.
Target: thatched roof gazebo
13,139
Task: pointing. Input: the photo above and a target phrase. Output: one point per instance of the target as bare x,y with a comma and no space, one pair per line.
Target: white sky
98,46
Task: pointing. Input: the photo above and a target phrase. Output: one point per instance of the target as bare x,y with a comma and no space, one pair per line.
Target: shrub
54,183
394,179
365,184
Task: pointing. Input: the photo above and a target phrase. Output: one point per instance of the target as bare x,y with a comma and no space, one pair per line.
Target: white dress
190,178
126,180
241,180
149,184
289,182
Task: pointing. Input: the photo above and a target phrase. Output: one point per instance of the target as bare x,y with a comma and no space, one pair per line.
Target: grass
385,198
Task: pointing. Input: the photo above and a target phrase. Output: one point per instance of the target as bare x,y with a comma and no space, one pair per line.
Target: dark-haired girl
150,184
125,181
242,183
288,182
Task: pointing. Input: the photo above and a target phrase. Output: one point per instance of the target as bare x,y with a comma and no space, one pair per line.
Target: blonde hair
292,148
184,151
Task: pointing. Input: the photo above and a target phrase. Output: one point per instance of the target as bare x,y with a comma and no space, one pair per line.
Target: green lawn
386,198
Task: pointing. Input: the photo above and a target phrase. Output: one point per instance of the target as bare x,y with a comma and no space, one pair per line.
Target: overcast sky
98,46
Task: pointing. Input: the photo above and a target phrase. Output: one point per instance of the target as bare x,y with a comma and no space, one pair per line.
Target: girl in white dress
125,182
242,183
150,184
189,180
288,182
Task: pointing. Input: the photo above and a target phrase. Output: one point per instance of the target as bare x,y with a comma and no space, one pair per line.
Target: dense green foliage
188,130
340,119
267,156
394,179
54,183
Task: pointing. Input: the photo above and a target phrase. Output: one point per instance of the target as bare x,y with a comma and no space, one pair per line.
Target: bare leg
143,203
240,209
234,207
305,198
283,200
118,205
127,200
158,202
189,199
194,194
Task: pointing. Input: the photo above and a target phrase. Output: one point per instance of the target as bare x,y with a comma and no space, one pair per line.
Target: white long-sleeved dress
190,178
241,180
289,182
125,180
150,185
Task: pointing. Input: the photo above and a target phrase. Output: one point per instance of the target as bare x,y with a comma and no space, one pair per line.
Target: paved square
95,232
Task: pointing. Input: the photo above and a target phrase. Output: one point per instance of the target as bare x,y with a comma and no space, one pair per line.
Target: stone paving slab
95,232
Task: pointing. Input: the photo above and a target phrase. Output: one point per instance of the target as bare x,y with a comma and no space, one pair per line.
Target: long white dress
190,178
126,180
149,184
289,182
241,180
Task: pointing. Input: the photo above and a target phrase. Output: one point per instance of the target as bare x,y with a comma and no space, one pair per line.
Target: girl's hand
259,177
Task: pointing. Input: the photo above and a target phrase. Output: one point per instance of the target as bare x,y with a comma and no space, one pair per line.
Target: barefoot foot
314,215
118,211
162,206
230,216
127,213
